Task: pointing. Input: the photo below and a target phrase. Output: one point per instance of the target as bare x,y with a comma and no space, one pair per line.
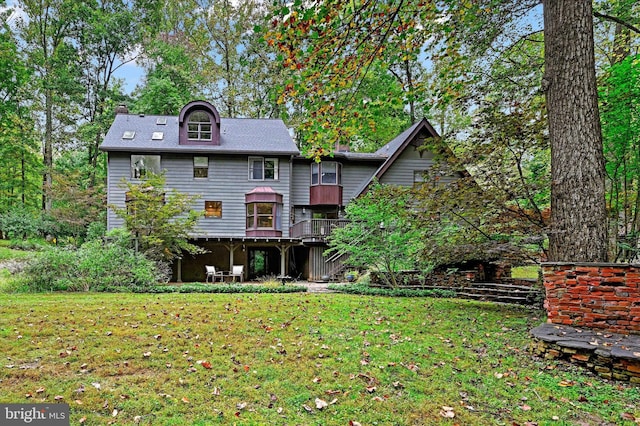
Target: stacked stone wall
603,296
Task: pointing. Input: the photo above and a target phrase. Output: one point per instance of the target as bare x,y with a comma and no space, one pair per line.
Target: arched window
199,126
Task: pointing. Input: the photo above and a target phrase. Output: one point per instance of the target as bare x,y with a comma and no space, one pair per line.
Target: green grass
530,271
265,359
7,253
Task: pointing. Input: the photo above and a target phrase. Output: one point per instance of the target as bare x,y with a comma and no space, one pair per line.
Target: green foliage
221,288
76,200
94,266
20,166
19,222
170,82
160,219
380,234
331,48
620,113
364,289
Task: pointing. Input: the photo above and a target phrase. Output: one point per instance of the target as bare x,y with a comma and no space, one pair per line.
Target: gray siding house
265,206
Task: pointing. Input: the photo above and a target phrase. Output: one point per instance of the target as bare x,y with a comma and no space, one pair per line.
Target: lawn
328,359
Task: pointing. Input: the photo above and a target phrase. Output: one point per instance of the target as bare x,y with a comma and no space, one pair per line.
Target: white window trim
276,171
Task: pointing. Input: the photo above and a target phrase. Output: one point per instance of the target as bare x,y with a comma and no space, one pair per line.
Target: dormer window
199,126
199,123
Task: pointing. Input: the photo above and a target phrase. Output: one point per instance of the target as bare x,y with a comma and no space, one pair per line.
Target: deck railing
316,228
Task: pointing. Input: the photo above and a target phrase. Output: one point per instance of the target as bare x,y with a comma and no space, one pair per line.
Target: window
200,167
264,215
213,208
141,165
325,173
263,168
199,126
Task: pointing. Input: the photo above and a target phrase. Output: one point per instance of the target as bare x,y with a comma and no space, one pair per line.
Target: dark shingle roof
390,148
237,136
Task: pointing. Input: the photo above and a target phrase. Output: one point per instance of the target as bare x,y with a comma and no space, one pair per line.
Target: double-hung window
200,167
261,168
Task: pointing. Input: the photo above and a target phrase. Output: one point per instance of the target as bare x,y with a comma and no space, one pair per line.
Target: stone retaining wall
602,296
609,355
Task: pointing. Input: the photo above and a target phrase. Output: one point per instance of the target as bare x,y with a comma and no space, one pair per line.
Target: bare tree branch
617,21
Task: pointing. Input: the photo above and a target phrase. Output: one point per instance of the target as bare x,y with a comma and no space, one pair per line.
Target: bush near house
96,265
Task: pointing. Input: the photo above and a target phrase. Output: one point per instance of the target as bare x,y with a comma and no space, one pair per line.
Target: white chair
213,274
238,271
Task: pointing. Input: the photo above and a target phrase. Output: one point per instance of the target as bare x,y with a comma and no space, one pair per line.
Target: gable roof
394,148
237,136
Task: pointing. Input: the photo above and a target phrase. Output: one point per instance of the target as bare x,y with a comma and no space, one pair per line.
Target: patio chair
213,274
238,271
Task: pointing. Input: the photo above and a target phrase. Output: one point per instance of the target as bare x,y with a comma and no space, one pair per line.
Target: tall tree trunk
578,211
411,91
47,151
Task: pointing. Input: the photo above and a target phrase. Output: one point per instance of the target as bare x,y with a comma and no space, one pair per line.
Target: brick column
602,296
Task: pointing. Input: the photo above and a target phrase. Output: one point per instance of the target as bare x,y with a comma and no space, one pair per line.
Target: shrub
19,223
223,288
95,266
389,291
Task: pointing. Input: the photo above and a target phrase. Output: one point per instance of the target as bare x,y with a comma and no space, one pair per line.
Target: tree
333,44
578,210
170,81
49,32
380,234
109,32
19,162
161,220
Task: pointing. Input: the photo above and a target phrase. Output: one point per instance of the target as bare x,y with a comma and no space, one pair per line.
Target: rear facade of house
265,206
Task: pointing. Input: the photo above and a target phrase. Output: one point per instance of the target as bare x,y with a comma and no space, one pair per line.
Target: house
265,205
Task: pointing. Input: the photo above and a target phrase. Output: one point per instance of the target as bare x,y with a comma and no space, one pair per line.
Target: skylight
157,136
128,134
161,121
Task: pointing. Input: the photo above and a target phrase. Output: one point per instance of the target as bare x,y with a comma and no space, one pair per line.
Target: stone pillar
602,296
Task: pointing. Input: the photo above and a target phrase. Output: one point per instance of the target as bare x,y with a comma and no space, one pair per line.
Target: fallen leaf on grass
447,412
566,383
146,354
114,413
306,407
525,407
321,404
628,416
